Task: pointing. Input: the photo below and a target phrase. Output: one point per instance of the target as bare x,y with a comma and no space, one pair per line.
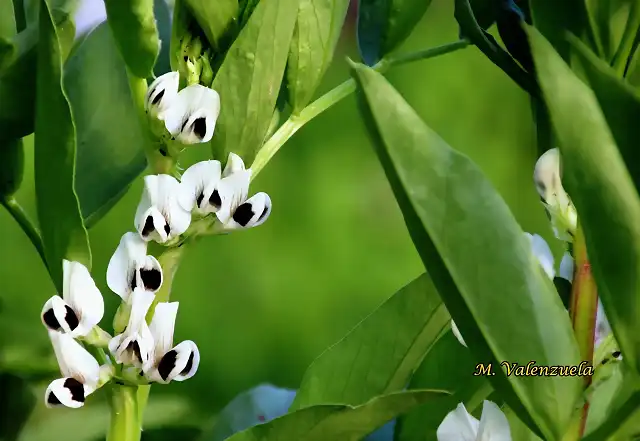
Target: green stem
125,423
20,216
295,122
619,62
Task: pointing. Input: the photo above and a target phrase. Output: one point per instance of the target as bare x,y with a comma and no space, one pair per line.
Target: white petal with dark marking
74,360
65,392
233,191
57,315
199,187
191,117
162,327
162,93
179,364
251,213
135,345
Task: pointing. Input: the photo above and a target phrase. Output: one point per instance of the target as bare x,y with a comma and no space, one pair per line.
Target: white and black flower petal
542,252
130,267
180,363
200,187
233,190
191,117
251,213
81,306
234,164
161,93
65,392
160,216
135,345
456,332
162,327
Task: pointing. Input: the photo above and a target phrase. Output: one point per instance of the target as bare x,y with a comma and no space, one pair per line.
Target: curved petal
234,164
135,345
233,191
179,364
546,176
149,274
192,116
252,213
566,267
458,425
121,271
161,93
162,327
58,316
543,253
494,425
65,392
456,332
74,360
198,184
82,295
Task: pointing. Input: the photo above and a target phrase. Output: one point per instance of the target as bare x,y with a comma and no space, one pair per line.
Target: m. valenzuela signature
533,370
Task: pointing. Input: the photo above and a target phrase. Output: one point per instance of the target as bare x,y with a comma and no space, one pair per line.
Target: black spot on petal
167,229
151,278
215,199
199,199
49,318
199,127
243,214
71,318
133,282
148,226
167,364
135,348
184,124
53,400
616,354
264,213
158,97
76,388
188,366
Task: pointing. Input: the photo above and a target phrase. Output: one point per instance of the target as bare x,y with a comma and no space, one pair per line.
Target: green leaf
7,21
620,104
478,258
16,403
216,19
136,34
249,79
163,18
110,140
384,24
63,232
608,18
602,191
11,166
555,18
447,366
378,361
314,40
337,422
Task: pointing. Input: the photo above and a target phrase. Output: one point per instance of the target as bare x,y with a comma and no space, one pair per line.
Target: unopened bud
121,319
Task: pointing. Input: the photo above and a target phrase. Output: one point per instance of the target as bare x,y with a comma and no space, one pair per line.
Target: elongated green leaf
448,366
555,18
384,24
337,422
620,104
377,359
602,191
215,18
135,32
478,258
484,12
314,40
7,22
605,15
63,232
110,141
11,165
249,79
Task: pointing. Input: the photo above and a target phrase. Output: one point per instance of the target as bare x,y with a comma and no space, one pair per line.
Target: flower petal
149,274
234,164
82,295
546,176
233,192
180,363
456,332
135,345
191,117
603,328
63,392
161,93
253,212
121,271
58,316
458,425
162,326
543,253
566,267
74,360
494,425
199,190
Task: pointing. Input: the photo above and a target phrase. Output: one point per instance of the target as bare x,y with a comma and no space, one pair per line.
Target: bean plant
495,341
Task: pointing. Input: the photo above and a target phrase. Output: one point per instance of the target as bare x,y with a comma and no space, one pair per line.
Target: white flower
159,215
81,306
561,211
459,425
566,267
191,116
168,363
130,267
135,345
80,371
200,187
456,332
543,253
162,93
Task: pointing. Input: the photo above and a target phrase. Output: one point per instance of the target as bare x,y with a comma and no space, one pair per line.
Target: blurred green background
263,303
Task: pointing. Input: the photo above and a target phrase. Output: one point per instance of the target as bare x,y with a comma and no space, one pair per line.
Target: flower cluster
142,352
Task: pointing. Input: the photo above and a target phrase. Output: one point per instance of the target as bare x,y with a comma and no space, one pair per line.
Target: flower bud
121,319
97,337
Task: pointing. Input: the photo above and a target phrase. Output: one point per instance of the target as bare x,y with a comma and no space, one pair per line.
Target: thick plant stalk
125,423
